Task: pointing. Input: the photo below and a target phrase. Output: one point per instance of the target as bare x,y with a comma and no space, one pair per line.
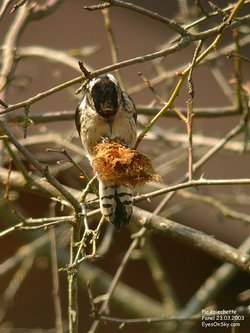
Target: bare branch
193,238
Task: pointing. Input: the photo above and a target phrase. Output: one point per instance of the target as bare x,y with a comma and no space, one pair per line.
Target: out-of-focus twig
4,6
15,285
225,210
161,279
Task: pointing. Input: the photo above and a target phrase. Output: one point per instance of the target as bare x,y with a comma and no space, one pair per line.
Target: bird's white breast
94,127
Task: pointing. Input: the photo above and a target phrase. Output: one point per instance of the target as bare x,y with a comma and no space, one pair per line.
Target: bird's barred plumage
108,112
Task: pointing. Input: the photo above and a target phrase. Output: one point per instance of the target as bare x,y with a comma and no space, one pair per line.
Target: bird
108,112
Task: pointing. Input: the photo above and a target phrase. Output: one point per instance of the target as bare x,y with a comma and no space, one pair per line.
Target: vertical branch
55,282
189,121
189,124
9,50
112,44
240,96
76,246
26,121
245,120
191,69
237,70
72,278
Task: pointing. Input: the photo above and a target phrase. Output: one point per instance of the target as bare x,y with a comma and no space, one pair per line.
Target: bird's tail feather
116,203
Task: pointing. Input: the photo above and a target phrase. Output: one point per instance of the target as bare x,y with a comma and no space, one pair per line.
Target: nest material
119,165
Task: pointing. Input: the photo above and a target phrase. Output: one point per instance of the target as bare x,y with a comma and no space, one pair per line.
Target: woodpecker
108,112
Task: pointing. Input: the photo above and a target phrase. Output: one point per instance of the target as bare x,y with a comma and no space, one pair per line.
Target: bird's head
104,95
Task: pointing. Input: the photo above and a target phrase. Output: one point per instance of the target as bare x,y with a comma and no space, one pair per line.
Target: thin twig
237,55
151,87
86,73
55,56
193,183
76,165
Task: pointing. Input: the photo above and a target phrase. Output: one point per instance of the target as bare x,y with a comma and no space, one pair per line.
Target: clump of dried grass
117,164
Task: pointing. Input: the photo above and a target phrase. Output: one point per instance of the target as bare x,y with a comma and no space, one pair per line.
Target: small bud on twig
83,68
